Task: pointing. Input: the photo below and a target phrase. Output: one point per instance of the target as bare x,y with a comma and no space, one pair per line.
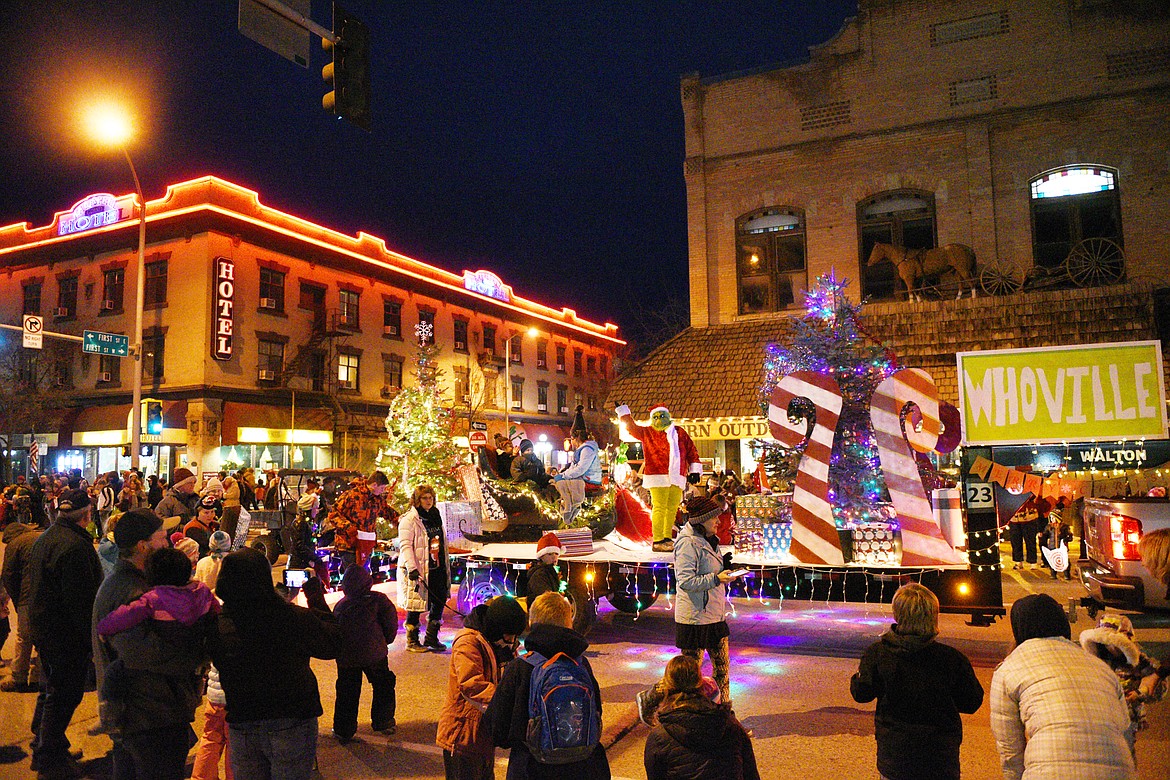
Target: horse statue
915,265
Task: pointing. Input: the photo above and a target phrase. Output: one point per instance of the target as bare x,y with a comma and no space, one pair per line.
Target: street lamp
109,125
531,332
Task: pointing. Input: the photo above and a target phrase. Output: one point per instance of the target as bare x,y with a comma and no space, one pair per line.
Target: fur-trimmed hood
1110,639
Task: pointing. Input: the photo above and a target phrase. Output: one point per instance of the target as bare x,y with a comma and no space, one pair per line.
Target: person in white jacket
424,572
1056,711
585,471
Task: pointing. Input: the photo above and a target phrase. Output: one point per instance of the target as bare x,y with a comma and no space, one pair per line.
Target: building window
517,393
347,371
66,297
591,365
426,329
592,403
462,386
348,300
28,363
770,259
562,399
576,362
271,360
109,369
489,339
460,335
316,372
1076,224
271,289
153,348
32,299
391,319
542,354
154,286
560,358
603,364
542,397
113,289
901,218
64,366
578,395
392,373
514,349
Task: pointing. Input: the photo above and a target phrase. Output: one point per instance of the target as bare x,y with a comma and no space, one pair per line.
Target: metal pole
136,344
507,386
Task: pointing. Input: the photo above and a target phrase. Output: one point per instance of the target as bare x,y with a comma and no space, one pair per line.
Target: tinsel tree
830,340
420,445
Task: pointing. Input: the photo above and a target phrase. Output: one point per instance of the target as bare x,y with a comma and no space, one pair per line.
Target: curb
626,721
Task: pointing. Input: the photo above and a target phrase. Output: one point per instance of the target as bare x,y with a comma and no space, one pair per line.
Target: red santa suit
670,455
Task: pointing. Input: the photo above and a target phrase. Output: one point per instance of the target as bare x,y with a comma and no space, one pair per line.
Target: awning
258,424
109,426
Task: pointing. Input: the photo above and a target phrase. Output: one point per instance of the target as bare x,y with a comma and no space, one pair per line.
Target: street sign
476,425
33,337
275,31
100,343
477,439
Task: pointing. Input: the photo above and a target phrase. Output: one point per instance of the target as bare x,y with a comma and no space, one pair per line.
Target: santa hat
549,543
659,408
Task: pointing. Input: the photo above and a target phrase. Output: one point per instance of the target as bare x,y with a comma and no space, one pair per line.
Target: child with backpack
547,707
478,654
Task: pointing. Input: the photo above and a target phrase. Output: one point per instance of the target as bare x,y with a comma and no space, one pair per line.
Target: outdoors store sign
224,320
701,428
1063,394
88,213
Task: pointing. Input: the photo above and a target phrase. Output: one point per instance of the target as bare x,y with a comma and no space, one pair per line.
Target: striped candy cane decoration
923,543
814,534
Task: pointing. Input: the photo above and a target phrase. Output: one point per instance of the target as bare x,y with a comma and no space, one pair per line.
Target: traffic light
154,418
349,72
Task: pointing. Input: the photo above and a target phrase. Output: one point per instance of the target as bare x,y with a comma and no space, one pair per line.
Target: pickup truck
1113,574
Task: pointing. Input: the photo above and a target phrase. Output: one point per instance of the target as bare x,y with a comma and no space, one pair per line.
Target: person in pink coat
671,460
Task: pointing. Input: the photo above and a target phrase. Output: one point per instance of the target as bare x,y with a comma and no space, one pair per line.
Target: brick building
291,364
1033,132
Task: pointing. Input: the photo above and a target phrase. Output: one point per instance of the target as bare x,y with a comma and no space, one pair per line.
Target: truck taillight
1126,532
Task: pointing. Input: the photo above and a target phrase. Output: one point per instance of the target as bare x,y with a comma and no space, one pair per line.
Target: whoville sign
1062,394
92,212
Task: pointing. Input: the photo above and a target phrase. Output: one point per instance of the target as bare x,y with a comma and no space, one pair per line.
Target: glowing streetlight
110,125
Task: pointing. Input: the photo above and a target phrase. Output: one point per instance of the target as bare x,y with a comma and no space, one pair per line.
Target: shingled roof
717,371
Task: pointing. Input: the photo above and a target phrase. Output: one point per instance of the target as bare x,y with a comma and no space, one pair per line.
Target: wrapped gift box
777,539
576,541
875,544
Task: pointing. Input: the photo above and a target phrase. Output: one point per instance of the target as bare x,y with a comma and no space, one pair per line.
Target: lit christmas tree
829,340
420,430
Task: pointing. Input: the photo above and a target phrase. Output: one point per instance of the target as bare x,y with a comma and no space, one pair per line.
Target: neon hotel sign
92,212
223,323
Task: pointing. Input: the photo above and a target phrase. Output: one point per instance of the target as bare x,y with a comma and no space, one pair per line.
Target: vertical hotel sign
1077,393
224,320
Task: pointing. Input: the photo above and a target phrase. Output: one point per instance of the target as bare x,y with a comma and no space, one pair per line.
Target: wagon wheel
1094,262
1038,276
993,280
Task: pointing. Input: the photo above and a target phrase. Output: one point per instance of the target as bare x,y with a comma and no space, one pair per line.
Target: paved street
791,665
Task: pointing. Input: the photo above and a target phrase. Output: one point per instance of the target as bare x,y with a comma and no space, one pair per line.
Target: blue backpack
564,721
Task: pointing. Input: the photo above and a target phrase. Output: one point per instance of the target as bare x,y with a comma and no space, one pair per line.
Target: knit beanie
1038,616
504,615
188,547
700,509
220,542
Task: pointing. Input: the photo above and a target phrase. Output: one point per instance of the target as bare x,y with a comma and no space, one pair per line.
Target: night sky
542,141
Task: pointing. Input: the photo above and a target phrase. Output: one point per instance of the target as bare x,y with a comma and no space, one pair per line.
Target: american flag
34,451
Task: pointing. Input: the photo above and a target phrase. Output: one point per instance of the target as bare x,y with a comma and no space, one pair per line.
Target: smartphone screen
295,578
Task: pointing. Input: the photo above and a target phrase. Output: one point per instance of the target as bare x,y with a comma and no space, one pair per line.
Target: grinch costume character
671,460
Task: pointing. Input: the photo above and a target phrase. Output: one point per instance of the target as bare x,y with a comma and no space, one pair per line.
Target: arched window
1077,208
770,259
903,218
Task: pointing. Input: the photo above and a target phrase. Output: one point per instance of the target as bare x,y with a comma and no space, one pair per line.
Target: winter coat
164,604
471,684
66,574
200,533
109,554
214,689
1125,657
367,620
207,570
414,554
526,467
700,598
356,510
542,578
262,654
698,740
586,465
921,686
17,576
231,492
174,504
670,455
508,712
1057,712
122,586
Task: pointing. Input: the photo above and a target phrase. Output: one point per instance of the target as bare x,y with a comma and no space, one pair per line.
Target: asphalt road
791,664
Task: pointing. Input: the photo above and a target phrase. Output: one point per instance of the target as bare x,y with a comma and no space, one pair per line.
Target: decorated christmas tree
830,340
420,445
